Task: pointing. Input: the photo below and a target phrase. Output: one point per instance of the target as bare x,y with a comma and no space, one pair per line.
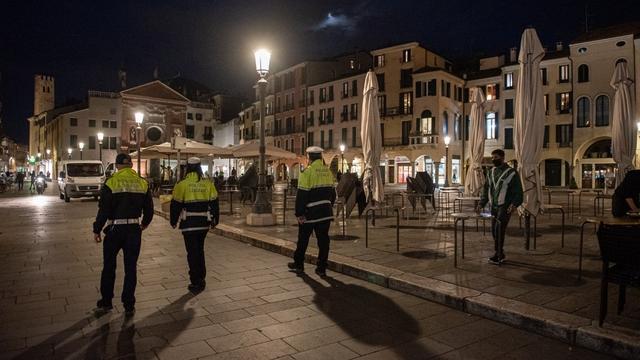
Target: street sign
178,143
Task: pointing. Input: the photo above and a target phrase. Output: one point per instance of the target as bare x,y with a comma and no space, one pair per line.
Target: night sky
84,43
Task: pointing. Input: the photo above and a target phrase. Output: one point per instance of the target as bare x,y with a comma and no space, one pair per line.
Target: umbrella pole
527,231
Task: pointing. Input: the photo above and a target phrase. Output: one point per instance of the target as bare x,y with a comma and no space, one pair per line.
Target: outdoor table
464,216
585,191
607,220
444,195
418,196
230,192
597,200
547,207
568,192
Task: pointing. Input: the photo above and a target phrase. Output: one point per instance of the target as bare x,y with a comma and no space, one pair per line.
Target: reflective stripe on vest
504,185
127,181
316,203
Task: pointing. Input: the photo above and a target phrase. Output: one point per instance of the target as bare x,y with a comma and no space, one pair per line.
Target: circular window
154,134
582,50
620,43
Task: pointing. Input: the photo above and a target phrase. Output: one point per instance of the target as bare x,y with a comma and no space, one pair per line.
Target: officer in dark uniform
123,198
195,203
314,210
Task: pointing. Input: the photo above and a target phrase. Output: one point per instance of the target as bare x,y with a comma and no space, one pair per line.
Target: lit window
508,80
491,125
379,60
491,92
406,55
564,73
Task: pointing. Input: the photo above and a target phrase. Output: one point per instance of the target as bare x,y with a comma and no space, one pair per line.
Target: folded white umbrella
528,126
474,181
623,132
371,139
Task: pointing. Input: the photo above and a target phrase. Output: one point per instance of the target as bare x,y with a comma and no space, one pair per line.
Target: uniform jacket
502,187
125,195
195,203
316,193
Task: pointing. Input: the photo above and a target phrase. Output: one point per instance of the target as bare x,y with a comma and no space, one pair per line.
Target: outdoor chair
620,251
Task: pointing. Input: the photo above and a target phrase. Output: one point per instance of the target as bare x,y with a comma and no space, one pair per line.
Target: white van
80,178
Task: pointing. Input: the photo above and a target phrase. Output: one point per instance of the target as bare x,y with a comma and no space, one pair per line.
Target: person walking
20,180
503,191
195,204
32,186
124,197
314,210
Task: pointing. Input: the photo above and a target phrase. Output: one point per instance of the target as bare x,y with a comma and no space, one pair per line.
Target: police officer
123,198
314,210
195,203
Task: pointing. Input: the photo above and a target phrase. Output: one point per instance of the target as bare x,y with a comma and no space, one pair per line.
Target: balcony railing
395,111
424,139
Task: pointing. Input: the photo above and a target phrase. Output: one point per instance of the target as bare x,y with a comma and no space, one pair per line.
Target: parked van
80,178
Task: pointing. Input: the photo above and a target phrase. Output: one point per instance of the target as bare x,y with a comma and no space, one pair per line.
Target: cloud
338,21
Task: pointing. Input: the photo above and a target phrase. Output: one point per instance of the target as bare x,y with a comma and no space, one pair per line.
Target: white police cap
193,161
314,150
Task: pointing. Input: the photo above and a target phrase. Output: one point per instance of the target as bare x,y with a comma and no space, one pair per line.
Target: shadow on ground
368,316
103,343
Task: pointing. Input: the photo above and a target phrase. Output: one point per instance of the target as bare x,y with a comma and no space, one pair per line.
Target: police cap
314,150
193,161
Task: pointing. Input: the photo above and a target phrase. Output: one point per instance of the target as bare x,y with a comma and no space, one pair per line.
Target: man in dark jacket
314,210
503,191
195,203
124,197
626,197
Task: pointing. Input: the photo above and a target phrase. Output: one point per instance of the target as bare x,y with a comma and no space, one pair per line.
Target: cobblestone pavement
253,307
546,278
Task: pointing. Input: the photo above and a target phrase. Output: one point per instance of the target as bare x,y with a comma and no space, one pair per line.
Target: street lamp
343,147
81,146
69,151
100,138
139,118
261,210
447,141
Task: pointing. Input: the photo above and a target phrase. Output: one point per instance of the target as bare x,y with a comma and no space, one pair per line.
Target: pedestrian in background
124,197
314,210
20,180
195,204
503,191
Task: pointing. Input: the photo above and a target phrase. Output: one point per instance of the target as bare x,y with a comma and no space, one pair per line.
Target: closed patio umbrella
474,180
371,139
529,120
623,132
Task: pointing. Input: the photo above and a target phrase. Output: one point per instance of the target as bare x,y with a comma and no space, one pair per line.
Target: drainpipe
463,134
573,121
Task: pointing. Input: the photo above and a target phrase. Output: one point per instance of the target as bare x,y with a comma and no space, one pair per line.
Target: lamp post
447,141
100,138
69,151
261,211
81,146
343,147
48,159
139,118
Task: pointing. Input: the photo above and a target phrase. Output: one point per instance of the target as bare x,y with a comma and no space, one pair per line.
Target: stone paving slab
321,317
545,320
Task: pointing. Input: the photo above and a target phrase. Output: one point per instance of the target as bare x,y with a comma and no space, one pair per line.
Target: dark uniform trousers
321,230
128,238
194,243
499,228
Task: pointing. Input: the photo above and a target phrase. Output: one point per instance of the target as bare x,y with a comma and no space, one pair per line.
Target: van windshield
74,170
